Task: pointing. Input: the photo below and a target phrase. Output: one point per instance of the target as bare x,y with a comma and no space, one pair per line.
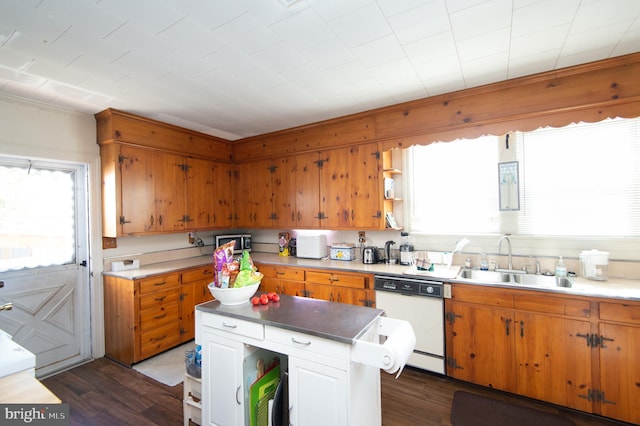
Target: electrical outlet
361,237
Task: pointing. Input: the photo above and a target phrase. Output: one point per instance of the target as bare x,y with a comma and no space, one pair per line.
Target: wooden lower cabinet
546,346
619,349
144,317
282,280
344,287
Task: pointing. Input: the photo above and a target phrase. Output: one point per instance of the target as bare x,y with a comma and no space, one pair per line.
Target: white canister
595,264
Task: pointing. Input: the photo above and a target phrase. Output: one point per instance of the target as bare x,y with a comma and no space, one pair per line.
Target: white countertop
614,287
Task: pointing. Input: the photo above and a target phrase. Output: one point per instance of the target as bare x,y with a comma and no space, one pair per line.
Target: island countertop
335,321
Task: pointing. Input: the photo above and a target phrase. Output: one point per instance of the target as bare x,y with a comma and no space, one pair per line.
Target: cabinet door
254,204
553,362
209,194
620,372
284,184
307,177
138,191
365,206
317,394
334,188
480,345
187,312
170,192
222,394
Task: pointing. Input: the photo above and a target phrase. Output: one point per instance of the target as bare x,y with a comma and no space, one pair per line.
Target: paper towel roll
400,344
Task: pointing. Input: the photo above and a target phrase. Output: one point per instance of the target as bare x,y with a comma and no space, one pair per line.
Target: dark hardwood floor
103,392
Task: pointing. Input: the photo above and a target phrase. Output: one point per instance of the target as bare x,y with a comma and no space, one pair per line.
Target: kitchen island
331,352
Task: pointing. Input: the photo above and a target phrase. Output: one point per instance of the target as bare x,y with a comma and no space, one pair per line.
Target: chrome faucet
6,307
505,237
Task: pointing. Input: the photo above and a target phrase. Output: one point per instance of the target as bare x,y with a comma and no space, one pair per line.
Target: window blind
580,180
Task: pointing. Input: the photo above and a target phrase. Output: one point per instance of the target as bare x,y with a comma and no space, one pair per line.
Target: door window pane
37,216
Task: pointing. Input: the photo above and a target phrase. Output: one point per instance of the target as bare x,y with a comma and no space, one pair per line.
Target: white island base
318,343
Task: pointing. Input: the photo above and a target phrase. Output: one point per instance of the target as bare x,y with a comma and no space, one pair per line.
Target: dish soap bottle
561,269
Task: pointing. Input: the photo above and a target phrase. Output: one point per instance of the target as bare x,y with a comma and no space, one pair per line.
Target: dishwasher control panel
408,286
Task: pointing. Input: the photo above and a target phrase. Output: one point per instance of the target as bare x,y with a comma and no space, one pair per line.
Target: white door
43,258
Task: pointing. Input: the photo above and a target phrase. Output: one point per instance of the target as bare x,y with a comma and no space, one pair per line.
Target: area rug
469,409
167,367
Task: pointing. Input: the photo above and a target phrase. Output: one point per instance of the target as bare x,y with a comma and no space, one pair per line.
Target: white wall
37,131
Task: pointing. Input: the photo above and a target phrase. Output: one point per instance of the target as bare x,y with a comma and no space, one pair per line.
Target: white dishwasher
421,303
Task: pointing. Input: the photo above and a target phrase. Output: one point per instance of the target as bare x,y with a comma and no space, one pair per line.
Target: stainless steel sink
478,275
542,280
515,278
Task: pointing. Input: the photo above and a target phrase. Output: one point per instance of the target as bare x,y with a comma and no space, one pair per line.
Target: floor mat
168,367
470,409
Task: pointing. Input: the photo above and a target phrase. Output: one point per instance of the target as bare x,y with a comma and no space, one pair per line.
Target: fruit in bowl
234,295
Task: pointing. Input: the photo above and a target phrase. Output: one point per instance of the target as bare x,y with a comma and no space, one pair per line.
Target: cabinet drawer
159,339
343,280
284,273
153,317
307,343
234,326
620,312
553,305
482,294
197,274
159,298
160,282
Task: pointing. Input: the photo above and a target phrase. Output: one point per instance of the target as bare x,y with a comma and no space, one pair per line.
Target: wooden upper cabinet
349,188
364,203
210,187
307,178
283,183
153,191
255,194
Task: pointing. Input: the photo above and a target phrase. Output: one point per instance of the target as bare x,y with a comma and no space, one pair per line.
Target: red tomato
276,298
271,295
264,299
255,300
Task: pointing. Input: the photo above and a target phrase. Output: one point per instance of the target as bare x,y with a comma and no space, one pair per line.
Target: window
37,214
581,180
454,187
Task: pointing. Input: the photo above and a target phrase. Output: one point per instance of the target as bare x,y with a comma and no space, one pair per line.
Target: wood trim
589,92
123,127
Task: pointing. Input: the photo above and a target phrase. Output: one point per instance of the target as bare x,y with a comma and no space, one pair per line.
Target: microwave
243,241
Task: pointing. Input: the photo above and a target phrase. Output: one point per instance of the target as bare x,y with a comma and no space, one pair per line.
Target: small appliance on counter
312,246
406,249
370,255
595,264
342,251
243,241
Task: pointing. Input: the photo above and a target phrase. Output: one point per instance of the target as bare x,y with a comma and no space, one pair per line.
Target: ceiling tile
302,30
379,51
481,18
361,25
420,22
535,17
240,67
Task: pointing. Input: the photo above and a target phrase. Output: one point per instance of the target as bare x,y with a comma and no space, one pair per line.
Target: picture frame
509,186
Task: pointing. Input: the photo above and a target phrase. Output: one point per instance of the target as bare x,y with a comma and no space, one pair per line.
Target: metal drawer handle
160,316
232,326
160,299
300,342
160,283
